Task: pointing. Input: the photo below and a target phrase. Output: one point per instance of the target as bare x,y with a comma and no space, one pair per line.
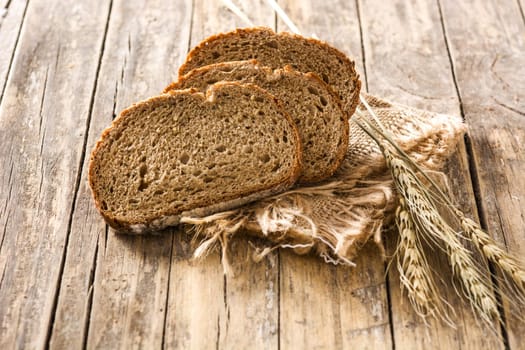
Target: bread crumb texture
182,151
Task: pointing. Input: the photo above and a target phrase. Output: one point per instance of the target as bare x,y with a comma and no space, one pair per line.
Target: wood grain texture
407,60
323,306
205,308
43,120
68,282
488,51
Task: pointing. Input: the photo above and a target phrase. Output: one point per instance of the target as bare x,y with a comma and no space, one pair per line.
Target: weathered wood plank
43,120
487,45
206,309
11,21
407,61
323,306
114,288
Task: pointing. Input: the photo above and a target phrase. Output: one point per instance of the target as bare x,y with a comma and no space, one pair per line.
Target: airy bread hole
211,81
143,185
265,158
184,158
323,100
143,169
272,43
313,90
215,55
220,148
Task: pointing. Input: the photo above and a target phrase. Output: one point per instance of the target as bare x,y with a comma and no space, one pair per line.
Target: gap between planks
474,179
387,280
75,195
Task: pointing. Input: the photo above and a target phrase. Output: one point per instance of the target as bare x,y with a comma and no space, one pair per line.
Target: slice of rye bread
278,50
186,153
316,110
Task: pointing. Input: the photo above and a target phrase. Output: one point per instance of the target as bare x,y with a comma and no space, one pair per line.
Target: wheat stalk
415,273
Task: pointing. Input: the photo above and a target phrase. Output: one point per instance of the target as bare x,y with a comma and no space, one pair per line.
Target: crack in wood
226,306
42,98
123,69
389,304
192,18
2,243
512,109
89,301
10,184
166,302
77,183
114,100
106,239
7,4
15,48
522,13
400,87
41,133
278,300
57,56
217,340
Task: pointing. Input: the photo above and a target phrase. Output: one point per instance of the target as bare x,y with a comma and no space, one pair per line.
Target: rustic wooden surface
68,282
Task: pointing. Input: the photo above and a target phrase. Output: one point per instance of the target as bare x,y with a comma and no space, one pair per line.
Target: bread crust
243,32
341,150
171,217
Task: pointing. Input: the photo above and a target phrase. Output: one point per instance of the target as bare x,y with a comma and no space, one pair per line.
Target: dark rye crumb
315,109
186,153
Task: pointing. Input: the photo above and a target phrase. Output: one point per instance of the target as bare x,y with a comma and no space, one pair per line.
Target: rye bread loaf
187,153
315,109
278,50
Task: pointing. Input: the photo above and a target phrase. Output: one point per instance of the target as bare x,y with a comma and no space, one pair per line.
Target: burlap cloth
336,217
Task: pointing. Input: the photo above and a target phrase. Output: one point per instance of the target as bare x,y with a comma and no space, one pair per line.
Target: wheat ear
432,226
415,273
490,250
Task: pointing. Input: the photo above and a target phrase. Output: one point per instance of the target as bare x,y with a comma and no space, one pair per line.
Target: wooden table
67,282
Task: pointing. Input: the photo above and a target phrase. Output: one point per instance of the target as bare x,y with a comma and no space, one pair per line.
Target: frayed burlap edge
335,218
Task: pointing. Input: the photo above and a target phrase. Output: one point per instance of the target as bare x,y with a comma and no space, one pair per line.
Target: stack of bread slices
252,114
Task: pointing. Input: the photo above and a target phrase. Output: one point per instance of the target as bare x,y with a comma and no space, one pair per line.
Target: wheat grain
490,250
415,273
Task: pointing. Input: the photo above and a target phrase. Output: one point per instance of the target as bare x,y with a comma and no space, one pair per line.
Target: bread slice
315,109
187,153
276,51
